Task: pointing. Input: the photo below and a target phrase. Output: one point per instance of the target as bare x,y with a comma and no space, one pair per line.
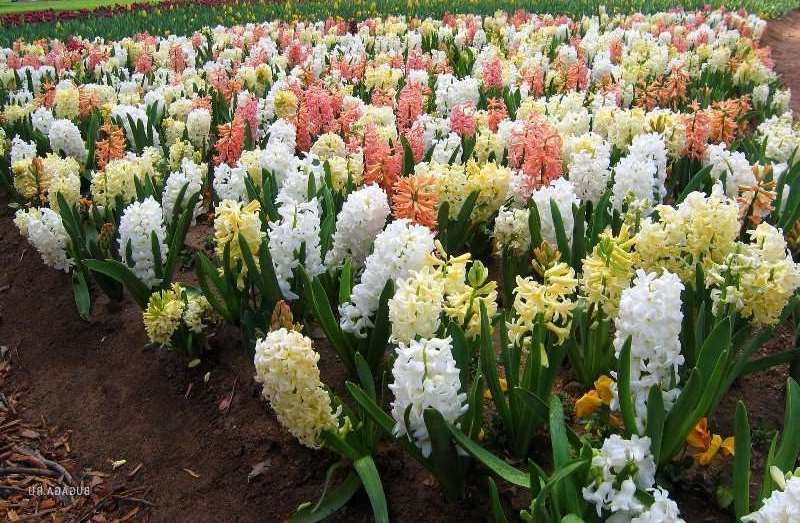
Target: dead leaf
191,473
259,469
28,433
48,503
117,464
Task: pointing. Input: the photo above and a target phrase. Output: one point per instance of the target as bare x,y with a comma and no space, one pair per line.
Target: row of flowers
470,209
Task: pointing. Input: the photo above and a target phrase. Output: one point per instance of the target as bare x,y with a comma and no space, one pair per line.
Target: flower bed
470,209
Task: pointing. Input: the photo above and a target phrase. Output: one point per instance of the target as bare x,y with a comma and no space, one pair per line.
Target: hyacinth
229,182
297,230
650,315
191,176
608,270
45,231
782,505
733,166
198,126
589,172
399,249
61,176
553,299
562,193
232,221
756,278
782,138
362,217
463,300
512,231
65,138
416,307
116,180
662,510
618,470
457,182
416,198
535,148
425,376
286,367
636,184
140,220
701,230
163,314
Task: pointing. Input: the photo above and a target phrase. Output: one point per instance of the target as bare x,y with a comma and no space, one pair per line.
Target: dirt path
783,36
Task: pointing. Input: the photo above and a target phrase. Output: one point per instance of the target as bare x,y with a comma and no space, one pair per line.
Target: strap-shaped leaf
331,501
741,462
624,385
656,416
497,506
498,466
120,272
371,480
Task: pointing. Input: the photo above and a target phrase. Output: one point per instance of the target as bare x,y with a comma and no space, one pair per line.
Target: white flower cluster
663,510
65,138
425,376
782,138
511,230
21,150
139,221
399,249
362,217
198,126
190,175
782,506
650,314
621,468
563,194
229,182
730,165
298,228
45,231
589,171
450,92
640,176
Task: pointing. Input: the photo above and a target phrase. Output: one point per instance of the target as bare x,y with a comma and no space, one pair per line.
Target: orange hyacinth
416,198
230,142
112,147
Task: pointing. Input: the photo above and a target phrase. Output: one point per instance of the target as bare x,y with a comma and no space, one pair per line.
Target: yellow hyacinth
234,220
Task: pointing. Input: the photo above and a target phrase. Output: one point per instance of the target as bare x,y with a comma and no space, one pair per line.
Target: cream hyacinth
233,220
286,367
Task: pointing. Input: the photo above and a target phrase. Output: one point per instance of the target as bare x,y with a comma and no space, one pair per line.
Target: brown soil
121,400
783,36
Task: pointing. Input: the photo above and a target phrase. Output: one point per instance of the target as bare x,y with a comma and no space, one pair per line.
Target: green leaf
497,506
443,454
498,466
371,480
346,281
489,368
379,337
624,384
120,272
561,454
80,289
656,416
741,462
330,502
561,235
698,181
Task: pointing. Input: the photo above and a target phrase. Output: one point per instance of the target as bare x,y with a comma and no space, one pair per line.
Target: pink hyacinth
382,165
493,74
144,64
462,120
248,113
536,149
411,103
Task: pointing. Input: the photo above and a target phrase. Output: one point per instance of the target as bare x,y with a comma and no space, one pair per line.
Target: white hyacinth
21,150
782,506
190,175
401,248
650,314
562,193
589,172
620,468
45,231
65,138
229,182
362,217
139,221
298,226
733,165
198,125
425,376
663,510
636,180
511,230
